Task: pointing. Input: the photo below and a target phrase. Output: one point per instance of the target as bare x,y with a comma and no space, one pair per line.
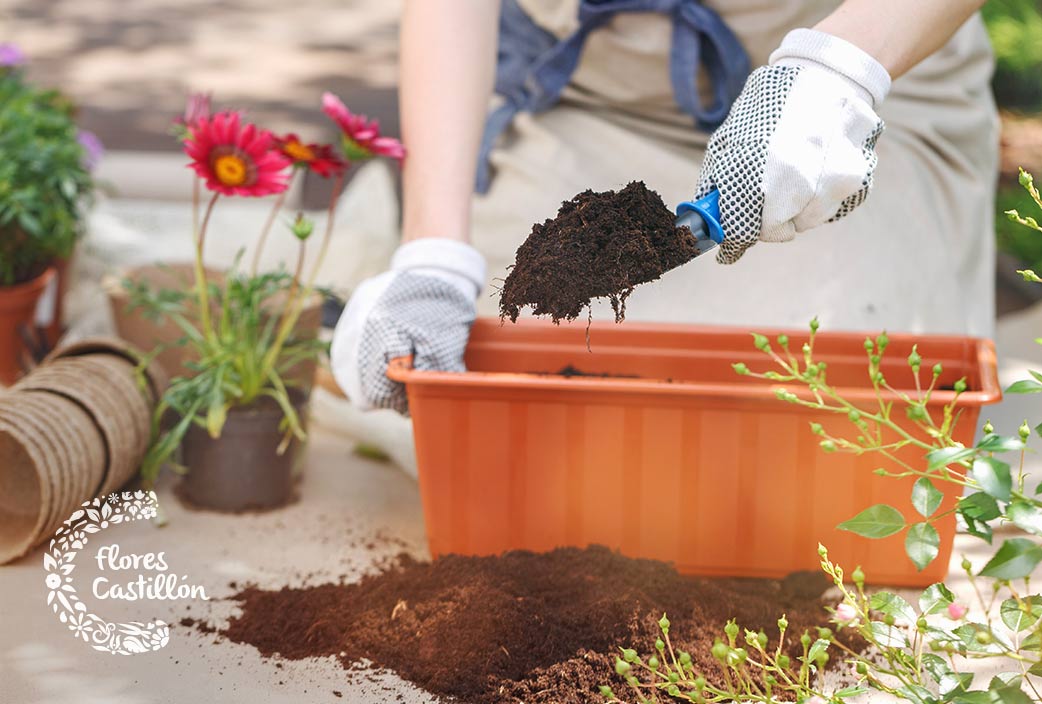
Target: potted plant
240,403
44,183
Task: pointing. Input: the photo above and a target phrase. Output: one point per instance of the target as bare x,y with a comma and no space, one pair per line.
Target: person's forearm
898,33
448,59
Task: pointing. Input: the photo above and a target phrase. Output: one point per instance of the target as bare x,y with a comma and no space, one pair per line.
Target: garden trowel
702,217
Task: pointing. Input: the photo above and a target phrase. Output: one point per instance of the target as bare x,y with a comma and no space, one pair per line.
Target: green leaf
935,599
1019,616
893,605
999,443
1038,431
922,544
936,666
817,649
850,692
1014,560
967,636
888,636
993,477
1025,386
954,683
877,521
1032,642
1036,669
979,529
1025,516
926,497
916,694
979,506
948,455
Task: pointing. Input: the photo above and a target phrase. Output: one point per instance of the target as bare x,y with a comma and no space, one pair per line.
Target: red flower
236,159
361,137
319,158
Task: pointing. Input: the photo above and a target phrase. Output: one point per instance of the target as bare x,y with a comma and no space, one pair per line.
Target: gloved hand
424,307
798,147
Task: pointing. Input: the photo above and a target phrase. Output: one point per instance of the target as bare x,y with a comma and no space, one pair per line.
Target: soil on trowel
536,628
600,245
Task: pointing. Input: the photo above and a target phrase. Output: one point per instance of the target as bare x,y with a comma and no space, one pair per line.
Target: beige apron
918,256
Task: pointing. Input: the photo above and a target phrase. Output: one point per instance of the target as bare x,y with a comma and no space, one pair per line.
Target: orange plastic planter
17,308
690,463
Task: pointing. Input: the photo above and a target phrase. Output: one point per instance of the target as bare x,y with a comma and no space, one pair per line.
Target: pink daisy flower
236,159
360,138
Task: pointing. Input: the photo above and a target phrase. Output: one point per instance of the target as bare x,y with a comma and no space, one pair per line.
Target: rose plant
242,330
914,652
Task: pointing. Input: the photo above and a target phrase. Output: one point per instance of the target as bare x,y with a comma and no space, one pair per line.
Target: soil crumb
600,245
537,628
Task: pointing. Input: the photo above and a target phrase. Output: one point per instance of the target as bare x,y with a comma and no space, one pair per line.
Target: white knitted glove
424,307
798,148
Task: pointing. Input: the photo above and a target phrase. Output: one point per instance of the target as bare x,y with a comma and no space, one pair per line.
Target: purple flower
92,149
11,55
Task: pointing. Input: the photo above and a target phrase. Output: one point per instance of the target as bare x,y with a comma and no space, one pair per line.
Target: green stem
201,285
279,202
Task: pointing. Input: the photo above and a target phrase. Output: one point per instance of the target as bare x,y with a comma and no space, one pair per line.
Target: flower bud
914,360
663,623
854,415
720,650
845,613
966,565
684,658
988,427
858,576
1024,431
814,324
882,341
861,667
921,624
960,386
760,342
889,619
783,661
783,623
659,645
731,629
869,345
956,611
302,227
700,683
740,369
805,640
817,429
822,551
653,663
674,677
982,637
828,445
937,369
606,692
629,655
621,666
761,638
783,340
673,690
825,633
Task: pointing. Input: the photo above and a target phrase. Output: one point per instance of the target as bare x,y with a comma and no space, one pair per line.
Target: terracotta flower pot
17,308
242,469
146,334
688,463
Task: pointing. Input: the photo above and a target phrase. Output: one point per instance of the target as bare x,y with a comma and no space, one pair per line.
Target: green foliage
1015,27
43,179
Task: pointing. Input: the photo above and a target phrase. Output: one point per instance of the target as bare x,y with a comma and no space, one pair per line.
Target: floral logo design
92,517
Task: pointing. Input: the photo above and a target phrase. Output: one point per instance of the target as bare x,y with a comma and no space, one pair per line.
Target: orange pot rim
400,369
19,294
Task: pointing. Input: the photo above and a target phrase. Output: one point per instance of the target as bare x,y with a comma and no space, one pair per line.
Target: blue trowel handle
702,217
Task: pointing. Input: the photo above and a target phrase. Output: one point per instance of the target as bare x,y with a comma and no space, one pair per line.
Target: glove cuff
450,260
840,56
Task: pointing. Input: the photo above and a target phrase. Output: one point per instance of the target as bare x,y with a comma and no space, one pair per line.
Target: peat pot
242,470
17,309
672,455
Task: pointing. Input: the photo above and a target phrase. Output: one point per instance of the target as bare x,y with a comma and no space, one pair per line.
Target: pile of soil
600,245
518,627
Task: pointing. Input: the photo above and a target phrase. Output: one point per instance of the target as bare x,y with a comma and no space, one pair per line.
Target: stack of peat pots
75,428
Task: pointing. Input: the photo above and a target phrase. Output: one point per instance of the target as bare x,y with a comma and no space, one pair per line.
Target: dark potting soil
537,628
600,245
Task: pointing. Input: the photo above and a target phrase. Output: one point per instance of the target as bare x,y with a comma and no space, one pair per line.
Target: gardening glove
798,147
423,307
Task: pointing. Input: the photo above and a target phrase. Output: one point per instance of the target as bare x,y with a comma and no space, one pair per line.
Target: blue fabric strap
534,67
